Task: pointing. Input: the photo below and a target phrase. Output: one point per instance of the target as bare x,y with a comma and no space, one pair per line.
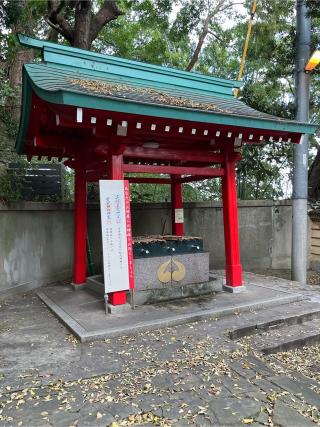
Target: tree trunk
86,26
15,79
314,178
198,48
53,35
82,25
220,6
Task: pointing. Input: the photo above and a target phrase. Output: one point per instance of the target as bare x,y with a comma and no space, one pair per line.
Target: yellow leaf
247,420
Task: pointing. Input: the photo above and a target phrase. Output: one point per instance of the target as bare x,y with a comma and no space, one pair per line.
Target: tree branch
228,6
215,35
57,20
109,11
196,53
314,143
205,31
290,87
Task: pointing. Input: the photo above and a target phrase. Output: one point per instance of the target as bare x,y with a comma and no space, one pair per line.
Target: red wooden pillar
176,206
116,172
80,226
231,228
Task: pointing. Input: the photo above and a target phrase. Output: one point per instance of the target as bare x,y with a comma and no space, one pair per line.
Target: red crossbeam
138,180
172,154
173,170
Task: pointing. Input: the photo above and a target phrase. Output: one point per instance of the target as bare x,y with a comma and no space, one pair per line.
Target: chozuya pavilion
105,117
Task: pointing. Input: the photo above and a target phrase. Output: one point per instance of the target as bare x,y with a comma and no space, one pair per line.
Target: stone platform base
156,295
84,314
233,289
117,309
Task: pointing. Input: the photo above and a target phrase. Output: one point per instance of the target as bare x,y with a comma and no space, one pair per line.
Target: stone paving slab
83,311
291,314
283,415
188,374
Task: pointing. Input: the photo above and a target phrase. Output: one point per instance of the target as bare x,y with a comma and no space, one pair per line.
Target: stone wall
36,239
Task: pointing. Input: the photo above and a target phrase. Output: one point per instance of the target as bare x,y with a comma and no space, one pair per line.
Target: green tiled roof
72,76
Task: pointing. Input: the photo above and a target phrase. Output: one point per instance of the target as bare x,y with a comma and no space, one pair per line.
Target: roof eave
63,97
181,113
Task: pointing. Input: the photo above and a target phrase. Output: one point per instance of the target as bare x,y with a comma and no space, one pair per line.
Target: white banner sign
116,235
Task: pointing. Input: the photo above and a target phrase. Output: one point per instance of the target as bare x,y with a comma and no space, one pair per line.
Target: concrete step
285,338
289,314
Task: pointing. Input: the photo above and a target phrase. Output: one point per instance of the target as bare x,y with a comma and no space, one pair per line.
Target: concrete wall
36,239
265,230
35,245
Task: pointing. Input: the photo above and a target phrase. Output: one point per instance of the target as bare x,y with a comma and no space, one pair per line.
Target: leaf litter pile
305,360
100,87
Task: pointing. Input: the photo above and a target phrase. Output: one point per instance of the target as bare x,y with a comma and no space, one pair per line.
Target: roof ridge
57,53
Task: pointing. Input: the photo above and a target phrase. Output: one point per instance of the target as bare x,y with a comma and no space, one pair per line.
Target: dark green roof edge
180,113
26,102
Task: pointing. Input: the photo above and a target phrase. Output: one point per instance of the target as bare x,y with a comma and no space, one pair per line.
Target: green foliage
7,91
11,183
149,193
314,9
68,189
165,32
193,192
144,34
10,190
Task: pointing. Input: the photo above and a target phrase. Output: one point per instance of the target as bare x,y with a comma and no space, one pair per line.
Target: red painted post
231,228
176,206
80,227
116,172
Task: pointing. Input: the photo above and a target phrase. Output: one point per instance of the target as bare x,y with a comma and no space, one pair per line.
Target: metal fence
38,182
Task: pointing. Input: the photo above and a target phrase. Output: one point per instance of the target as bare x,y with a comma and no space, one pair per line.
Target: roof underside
154,102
